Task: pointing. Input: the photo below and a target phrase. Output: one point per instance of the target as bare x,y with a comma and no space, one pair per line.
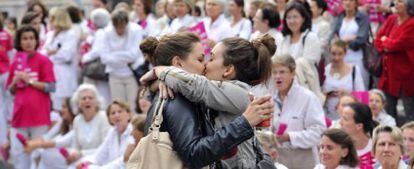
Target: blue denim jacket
362,20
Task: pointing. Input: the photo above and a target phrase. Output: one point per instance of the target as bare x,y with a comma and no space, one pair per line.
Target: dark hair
119,17
40,4
19,33
340,137
75,14
307,24
1,24
147,6
321,5
251,60
240,3
162,51
65,127
270,14
197,11
28,18
13,20
363,115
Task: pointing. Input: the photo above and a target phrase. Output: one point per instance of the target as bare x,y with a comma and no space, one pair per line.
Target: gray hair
74,101
379,93
410,7
100,17
284,60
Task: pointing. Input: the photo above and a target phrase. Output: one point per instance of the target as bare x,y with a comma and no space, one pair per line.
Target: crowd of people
242,84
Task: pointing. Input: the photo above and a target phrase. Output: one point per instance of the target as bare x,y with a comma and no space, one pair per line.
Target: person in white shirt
337,151
267,20
408,136
377,101
47,149
298,118
320,25
183,20
110,153
165,21
90,126
388,147
143,17
120,53
217,26
61,47
356,120
341,77
100,19
238,22
303,45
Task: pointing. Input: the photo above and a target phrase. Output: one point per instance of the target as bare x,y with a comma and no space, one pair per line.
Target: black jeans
391,108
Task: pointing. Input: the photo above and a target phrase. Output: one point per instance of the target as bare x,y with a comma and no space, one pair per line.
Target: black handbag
95,70
372,59
140,70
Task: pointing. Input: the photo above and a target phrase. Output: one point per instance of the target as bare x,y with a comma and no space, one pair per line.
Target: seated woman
337,151
388,147
357,121
110,152
48,149
377,101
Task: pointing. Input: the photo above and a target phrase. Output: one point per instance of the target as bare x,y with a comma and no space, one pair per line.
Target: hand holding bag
155,151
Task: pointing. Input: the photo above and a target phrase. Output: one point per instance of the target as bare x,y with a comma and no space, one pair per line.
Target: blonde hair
60,19
121,104
409,125
395,135
284,60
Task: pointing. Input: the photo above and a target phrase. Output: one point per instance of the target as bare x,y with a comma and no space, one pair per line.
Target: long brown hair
340,137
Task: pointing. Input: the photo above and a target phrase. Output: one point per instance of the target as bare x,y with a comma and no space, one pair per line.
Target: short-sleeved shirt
32,106
6,43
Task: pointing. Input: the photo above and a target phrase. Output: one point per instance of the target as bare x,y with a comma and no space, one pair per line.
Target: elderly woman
216,24
344,100
395,41
376,104
100,18
91,126
337,151
388,147
298,119
110,152
61,47
408,136
120,53
356,120
31,80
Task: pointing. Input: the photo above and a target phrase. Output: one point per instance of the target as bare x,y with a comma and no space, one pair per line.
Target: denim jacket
363,31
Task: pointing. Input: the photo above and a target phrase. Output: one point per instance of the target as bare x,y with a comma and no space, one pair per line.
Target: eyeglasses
293,17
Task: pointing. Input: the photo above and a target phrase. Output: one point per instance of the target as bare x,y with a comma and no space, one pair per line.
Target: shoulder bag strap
353,77
156,124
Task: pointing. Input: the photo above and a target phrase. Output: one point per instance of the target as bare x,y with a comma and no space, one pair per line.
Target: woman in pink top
6,44
31,80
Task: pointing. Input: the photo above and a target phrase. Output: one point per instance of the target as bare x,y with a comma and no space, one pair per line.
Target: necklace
336,75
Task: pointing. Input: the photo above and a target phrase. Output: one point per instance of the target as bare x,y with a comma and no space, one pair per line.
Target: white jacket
117,53
219,29
303,114
64,61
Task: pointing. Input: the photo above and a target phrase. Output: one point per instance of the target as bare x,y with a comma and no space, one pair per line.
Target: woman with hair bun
235,64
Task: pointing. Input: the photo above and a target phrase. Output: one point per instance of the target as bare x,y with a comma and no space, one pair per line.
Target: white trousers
124,88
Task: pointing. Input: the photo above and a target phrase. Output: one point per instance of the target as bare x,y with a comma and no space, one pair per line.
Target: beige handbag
155,151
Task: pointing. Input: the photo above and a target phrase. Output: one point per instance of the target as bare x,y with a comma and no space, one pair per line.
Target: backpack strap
353,77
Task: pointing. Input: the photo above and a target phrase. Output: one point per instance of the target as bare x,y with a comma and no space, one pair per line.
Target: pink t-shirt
6,44
32,106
